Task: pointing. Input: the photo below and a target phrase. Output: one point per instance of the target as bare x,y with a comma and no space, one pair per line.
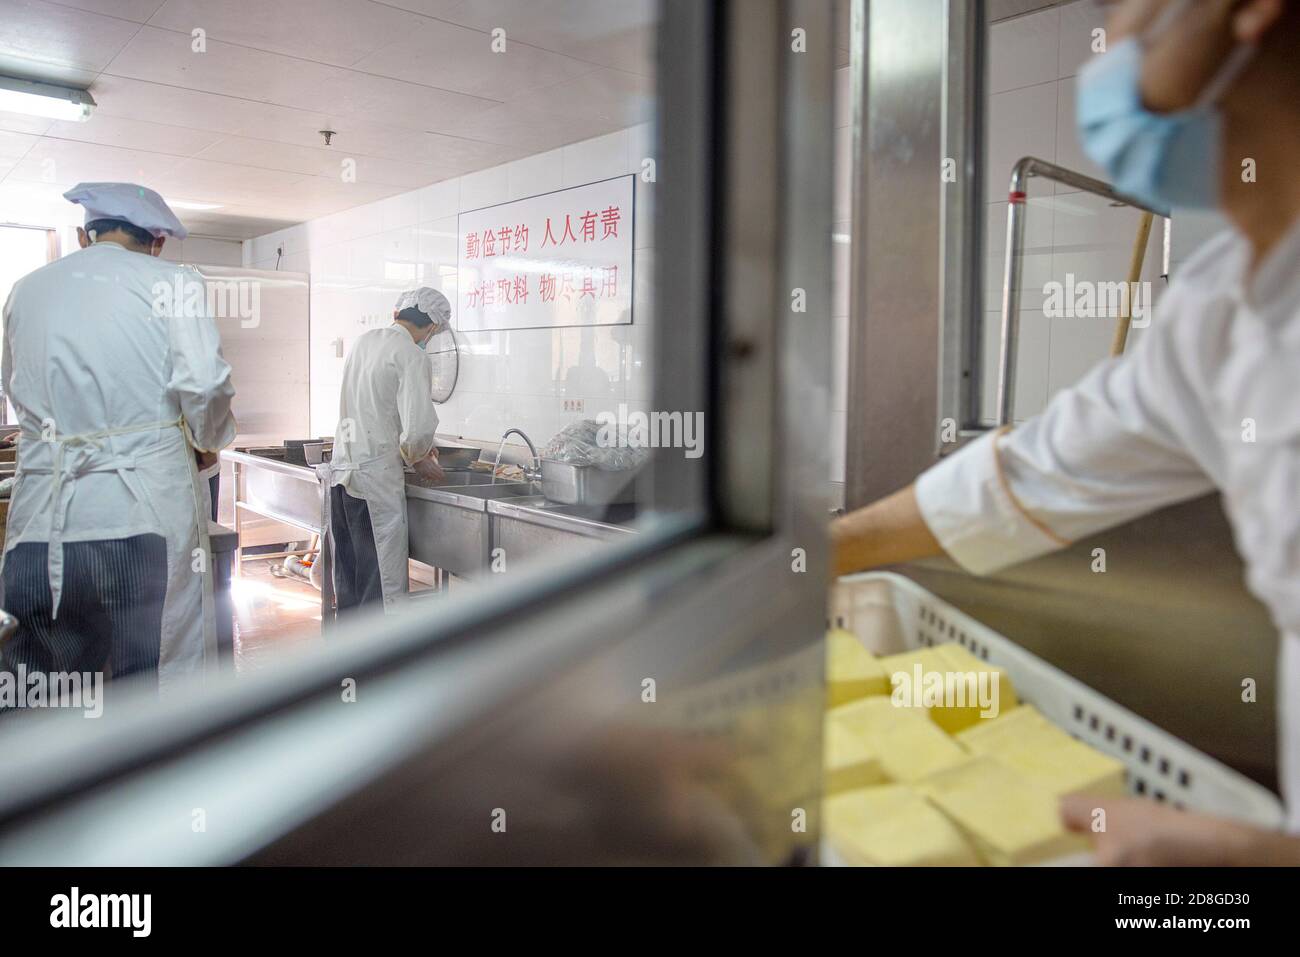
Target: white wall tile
484,188
1022,122
400,210
644,214
1031,365
1078,21
532,175
213,252
1077,345
1024,51
439,200
1037,265
1069,151
596,159
641,145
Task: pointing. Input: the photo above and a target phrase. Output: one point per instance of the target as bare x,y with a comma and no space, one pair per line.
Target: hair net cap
138,205
430,302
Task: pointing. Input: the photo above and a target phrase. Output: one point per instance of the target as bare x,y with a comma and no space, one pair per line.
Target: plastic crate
889,613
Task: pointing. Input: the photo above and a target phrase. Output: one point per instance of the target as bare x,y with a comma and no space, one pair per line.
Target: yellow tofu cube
1008,818
905,742
1027,742
850,761
957,689
892,826
852,672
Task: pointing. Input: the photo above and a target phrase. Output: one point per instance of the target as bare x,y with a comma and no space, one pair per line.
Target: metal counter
456,526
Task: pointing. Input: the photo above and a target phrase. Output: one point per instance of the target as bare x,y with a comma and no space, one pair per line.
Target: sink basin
499,490
452,480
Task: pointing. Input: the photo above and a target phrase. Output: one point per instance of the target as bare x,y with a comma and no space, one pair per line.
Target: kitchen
686,336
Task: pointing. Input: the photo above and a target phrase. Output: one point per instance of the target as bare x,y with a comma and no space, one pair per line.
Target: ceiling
411,87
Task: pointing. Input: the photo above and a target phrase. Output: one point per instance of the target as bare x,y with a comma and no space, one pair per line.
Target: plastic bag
606,447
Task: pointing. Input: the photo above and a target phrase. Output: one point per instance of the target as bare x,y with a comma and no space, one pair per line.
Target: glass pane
503,154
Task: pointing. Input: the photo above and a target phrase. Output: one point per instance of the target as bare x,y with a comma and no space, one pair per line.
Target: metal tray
586,485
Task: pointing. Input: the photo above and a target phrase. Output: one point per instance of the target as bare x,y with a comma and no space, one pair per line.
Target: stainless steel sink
499,490
451,480
448,524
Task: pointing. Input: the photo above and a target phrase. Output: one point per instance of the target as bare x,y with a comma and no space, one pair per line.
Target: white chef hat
430,302
137,205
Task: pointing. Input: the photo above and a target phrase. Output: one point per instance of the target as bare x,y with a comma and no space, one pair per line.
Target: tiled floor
271,614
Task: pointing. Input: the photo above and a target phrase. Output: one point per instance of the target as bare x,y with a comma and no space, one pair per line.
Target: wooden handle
1120,338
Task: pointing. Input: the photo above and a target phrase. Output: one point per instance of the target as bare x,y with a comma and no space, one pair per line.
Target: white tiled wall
1033,63
360,259
201,250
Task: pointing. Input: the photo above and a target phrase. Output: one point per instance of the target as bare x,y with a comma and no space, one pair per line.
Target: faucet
531,474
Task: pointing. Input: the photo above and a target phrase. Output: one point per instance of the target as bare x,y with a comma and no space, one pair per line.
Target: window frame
734,570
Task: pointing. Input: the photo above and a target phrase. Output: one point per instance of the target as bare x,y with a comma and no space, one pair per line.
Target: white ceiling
412,88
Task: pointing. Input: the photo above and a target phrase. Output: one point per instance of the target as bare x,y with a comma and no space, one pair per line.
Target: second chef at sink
386,421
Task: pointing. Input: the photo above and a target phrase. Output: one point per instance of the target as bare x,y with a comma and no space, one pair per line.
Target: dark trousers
110,613
356,563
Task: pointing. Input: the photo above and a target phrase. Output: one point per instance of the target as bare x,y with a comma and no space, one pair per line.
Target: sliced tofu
852,671
1008,818
892,826
907,744
1027,742
850,761
956,687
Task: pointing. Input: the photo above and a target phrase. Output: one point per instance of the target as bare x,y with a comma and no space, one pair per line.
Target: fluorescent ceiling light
187,204
44,99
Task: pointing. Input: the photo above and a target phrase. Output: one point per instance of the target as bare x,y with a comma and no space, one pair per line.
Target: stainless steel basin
448,524
451,480
499,490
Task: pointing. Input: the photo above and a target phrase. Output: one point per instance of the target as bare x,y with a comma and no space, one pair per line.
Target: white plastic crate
889,613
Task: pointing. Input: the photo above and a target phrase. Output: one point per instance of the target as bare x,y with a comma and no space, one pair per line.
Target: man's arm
888,531
1103,452
200,378
415,410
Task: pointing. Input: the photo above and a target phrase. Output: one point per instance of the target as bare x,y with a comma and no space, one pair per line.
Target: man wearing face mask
1188,90
386,421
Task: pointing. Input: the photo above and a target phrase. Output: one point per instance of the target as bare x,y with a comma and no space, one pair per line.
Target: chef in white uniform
386,422
1208,400
117,386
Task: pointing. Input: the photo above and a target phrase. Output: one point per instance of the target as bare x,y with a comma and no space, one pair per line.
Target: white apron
153,474
385,497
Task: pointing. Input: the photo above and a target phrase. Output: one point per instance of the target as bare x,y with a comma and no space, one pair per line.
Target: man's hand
206,459
428,468
1142,833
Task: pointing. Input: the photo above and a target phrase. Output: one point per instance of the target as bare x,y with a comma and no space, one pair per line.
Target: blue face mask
1163,160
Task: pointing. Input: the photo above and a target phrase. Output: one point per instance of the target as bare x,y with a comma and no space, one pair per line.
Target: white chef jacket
102,381
386,420
1170,421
